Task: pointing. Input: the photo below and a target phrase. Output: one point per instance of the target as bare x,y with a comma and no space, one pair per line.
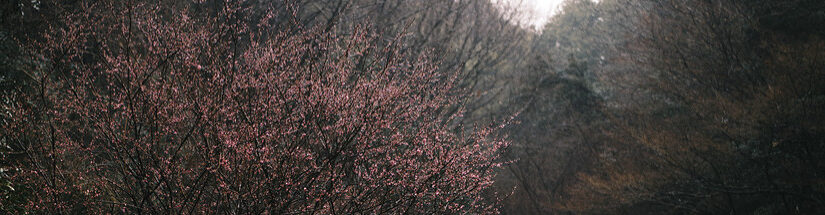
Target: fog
412,107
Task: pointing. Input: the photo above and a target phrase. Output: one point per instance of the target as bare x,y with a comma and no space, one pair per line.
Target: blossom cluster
144,109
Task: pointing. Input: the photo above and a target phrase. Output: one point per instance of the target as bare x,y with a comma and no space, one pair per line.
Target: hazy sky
540,10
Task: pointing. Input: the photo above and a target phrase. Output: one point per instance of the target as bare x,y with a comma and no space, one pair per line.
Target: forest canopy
412,106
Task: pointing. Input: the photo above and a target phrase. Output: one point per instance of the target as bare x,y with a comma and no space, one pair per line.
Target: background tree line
678,107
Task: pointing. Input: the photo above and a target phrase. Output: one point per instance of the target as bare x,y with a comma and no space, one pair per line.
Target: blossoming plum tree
190,108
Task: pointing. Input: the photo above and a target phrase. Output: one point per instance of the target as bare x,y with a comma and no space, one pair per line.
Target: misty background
611,106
